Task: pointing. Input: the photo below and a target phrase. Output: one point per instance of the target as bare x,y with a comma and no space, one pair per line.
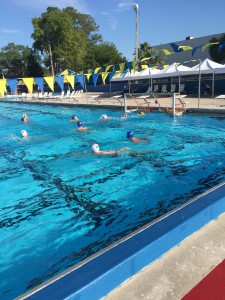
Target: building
185,56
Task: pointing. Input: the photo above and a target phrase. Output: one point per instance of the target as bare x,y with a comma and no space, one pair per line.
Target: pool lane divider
98,275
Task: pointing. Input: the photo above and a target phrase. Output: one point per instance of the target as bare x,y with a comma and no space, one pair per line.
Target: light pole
135,7
199,83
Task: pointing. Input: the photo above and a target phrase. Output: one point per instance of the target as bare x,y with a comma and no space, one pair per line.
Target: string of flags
106,72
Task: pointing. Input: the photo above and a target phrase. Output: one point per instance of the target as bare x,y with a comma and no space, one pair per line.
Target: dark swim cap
79,124
22,119
73,116
130,134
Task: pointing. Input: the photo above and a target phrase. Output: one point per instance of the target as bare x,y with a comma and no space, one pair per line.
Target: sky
159,22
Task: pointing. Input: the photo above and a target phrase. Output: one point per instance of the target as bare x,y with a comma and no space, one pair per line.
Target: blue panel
101,274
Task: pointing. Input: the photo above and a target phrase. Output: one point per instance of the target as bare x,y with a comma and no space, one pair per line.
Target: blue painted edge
97,276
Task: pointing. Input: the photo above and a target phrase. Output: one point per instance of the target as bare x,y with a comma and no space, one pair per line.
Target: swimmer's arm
121,149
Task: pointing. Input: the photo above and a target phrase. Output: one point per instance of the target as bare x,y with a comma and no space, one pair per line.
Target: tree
214,50
63,36
145,51
103,54
19,61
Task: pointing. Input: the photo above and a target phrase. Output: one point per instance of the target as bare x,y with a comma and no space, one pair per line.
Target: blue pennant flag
111,74
129,65
12,84
80,79
40,83
60,81
195,49
95,78
221,46
175,48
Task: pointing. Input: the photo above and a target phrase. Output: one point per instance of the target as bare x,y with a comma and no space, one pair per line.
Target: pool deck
195,269
192,104
192,270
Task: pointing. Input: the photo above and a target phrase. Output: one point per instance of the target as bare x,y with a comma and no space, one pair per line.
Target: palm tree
147,51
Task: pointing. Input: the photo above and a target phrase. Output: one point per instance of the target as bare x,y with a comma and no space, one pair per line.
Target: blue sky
160,22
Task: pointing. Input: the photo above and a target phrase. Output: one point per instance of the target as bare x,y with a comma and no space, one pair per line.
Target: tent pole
179,83
213,84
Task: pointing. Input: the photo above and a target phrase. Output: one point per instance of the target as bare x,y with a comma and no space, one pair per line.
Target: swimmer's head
124,116
73,117
79,124
24,133
104,117
22,119
95,148
141,113
130,135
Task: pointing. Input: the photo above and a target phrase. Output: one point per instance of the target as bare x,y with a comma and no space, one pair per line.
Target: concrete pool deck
182,268
193,104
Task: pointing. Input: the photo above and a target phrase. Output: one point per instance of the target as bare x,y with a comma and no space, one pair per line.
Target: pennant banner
70,79
40,83
60,81
104,76
50,80
207,45
29,82
2,87
95,78
88,76
80,79
12,84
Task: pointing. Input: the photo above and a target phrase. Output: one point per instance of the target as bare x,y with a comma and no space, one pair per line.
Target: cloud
125,5
9,31
81,6
111,19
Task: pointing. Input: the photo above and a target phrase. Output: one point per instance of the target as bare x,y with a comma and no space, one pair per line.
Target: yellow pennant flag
122,66
70,79
50,80
166,52
2,87
104,76
89,71
88,76
116,74
97,69
108,67
207,45
29,82
144,67
145,58
135,64
185,48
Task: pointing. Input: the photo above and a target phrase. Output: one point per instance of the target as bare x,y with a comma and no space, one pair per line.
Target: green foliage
215,55
19,61
67,34
102,54
145,50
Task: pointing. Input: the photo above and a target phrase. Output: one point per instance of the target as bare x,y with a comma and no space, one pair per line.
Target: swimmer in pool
80,126
74,118
95,148
24,118
24,134
130,136
104,117
124,116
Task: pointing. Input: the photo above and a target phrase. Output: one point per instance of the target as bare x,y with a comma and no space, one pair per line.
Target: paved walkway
91,99
182,271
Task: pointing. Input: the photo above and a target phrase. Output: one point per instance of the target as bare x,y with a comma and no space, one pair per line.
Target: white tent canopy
207,66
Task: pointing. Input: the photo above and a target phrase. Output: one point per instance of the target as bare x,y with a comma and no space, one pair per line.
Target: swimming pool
60,203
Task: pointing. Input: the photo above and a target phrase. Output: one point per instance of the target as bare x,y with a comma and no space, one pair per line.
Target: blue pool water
60,203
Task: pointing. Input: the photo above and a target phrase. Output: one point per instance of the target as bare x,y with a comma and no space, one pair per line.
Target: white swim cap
95,148
24,133
104,117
